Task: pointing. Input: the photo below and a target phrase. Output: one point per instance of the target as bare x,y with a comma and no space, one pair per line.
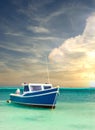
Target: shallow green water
75,110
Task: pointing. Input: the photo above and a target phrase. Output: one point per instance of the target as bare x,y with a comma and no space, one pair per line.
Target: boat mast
47,70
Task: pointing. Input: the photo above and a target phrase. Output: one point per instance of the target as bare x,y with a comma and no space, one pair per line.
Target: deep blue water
75,110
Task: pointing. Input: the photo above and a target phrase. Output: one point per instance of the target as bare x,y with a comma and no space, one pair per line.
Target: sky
47,41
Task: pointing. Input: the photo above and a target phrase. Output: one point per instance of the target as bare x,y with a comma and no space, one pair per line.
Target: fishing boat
36,94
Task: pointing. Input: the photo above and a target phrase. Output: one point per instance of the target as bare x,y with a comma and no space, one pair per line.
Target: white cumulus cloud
77,51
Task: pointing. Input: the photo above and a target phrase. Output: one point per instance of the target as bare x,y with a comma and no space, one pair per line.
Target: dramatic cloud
77,54
82,46
29,30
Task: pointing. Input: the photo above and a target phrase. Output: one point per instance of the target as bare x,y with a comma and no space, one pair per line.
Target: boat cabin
36,87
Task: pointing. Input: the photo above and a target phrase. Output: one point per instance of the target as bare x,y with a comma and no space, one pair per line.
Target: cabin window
35,88
26,88
47,87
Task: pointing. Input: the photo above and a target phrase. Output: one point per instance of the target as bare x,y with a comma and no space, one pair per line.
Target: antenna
47,71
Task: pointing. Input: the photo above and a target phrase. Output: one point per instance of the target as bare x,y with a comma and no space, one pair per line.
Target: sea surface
75,110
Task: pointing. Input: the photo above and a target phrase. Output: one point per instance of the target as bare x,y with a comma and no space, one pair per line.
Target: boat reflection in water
35,94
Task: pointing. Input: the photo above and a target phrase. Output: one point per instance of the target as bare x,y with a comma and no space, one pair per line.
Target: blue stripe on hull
43,99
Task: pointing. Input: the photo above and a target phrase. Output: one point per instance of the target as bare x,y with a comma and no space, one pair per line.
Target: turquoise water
75,110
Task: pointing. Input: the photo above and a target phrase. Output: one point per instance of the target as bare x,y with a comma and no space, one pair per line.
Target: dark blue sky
30,29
